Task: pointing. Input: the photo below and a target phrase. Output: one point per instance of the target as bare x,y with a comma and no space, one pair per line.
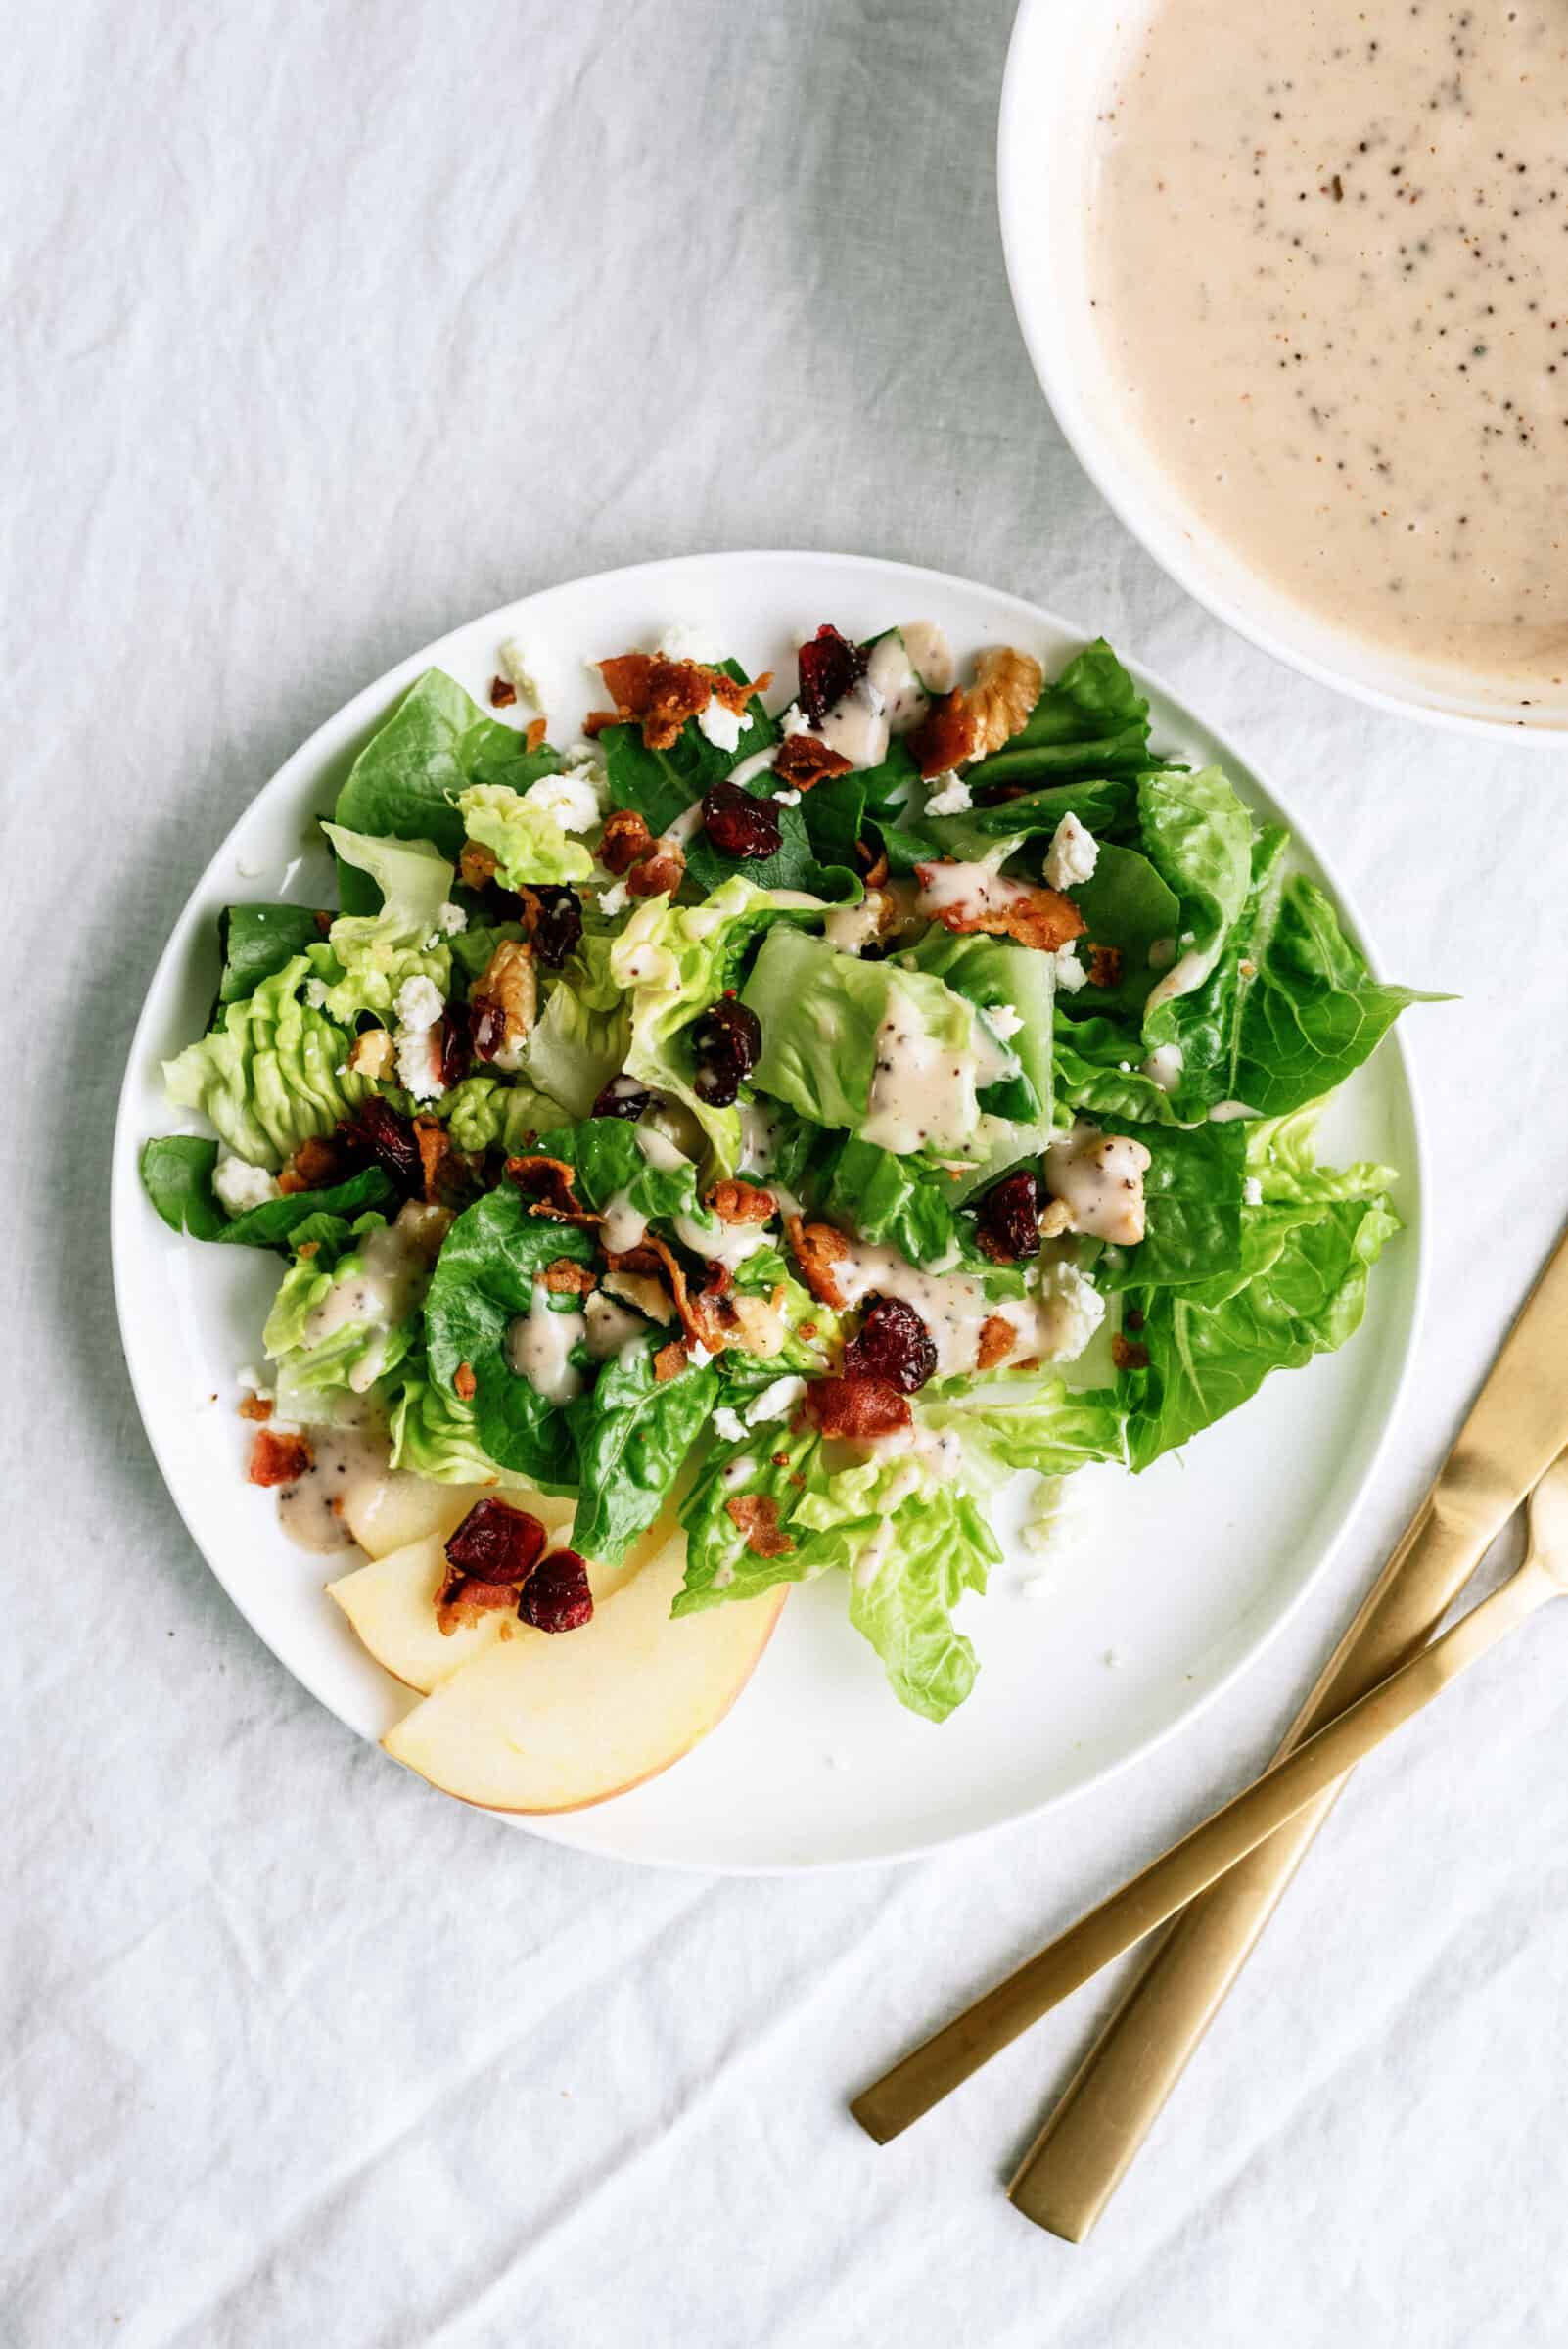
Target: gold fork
946,2060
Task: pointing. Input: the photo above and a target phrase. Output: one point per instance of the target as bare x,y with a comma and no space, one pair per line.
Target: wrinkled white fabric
327,328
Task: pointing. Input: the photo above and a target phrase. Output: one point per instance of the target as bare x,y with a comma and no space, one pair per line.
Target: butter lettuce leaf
379,951
633,1432
271,1072
584,1032
529,845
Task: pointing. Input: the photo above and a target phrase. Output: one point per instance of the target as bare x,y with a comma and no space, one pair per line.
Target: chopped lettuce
177,1176
1197,835
328,1327
255,941
1193,1193
995,975
482,1113
1089,723
405,782
633,1432
272,1072
380,952
611,1163
528,844
583,1032
434,1435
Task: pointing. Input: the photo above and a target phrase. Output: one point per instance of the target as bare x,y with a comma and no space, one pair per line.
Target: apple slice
555,1721
388,1512
392,1602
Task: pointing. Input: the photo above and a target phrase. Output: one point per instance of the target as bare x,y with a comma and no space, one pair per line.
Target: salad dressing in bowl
1327,251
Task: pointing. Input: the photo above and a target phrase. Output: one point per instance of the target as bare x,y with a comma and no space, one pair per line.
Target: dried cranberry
556,1597
892,1345
390,1142
453,1050
623,1097
726,1039
739,824
497,1543
828,666
1008,1217
487,1025
557,924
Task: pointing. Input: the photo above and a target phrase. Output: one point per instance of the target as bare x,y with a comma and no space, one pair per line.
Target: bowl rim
1057,382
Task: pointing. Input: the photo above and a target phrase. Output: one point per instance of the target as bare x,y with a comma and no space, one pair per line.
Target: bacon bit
596,721
945,737
465,1386
658,872
997,1337
669,1362
802,760
549,1186
876,870
477,866
857,1408
661,694
324,922
314,1164
624,840
1127,1355
1006,687
256,1406
436,1157
533,736
307,1247
503,693
1038,917
461,1601
1104,966
756,1516
373,1054
279,1459
736,1202
564,1278
781,1460
1132,1318
817,1248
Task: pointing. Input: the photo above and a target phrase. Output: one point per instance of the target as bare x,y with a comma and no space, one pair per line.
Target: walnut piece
504,1003
1007,685
373,1053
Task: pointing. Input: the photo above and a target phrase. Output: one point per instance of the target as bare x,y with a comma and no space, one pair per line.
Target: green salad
805,1122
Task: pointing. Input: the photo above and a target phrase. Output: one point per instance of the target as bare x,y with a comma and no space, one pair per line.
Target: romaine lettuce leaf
177,1178
1301,1291
993,974
434,1434
271,1072
484,1113
766,1464
1127,905
1198,837
610,1162
1096,1070
632,1433
1283,1159
405,782
1002,828
1089,723
661,785
525,839
821,1014
1192,1190
484,1281
1028,1421
255,941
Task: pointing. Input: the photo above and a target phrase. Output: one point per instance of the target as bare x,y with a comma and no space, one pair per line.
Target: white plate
1057,70
1186,1572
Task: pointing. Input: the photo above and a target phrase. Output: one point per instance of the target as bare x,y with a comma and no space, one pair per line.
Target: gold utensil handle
1192,1865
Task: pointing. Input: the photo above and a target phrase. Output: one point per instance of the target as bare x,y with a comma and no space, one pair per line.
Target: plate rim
1055,382
126,1199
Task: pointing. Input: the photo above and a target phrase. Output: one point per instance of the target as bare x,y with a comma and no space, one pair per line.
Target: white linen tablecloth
328,328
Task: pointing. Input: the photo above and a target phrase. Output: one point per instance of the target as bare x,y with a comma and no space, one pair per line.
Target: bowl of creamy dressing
1295,283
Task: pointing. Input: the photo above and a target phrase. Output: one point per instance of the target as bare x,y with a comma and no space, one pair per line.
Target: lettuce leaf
255,941
405,782
1192,1190
661,785
1197,835
584,1032
1096,1070
360,1350
821,1013
609,1160
1301,1291
1127,905
379,951
632,1433
177,1178
1283,1158
434,1435
1090,723
994,974
487,1113
526,841
484,1280
271,1072
764,1465
1029,1420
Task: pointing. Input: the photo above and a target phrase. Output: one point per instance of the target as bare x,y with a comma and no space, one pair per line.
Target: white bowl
1057,70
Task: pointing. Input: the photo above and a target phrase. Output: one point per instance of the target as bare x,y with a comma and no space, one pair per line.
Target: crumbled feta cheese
727,1424
949,796
571,797
787,799
418,1003
315,993
794,721
240,1185
616,898
721,728
1072,854
517,668
681,642
774,1401
1070,972
1080,1309
584,753
419,1062
1004,1019
451,919
699,1356
1252,1191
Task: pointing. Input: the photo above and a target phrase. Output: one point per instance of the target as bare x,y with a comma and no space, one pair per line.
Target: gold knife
1516,1428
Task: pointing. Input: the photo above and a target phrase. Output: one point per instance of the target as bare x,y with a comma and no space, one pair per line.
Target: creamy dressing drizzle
395,1270
348,1466
624,1225
658,1149
853,927
1164,1067
1180,980
1099,1179
609,1326
729,1244
538,1346
922,1092
968,889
